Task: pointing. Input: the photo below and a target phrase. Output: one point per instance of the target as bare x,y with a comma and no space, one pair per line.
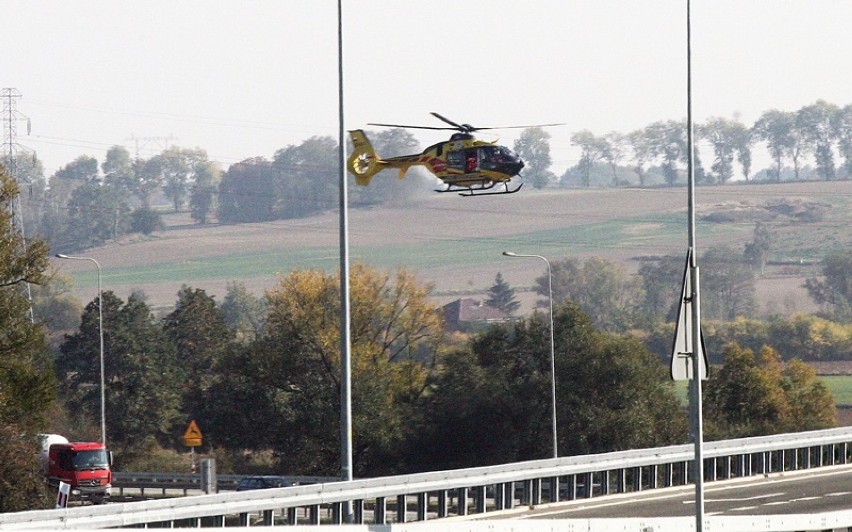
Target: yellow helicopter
465,164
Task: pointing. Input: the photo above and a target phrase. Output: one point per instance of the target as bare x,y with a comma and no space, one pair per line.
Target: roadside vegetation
260,373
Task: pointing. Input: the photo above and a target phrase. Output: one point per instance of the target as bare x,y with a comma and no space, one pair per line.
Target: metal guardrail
462,492
185,482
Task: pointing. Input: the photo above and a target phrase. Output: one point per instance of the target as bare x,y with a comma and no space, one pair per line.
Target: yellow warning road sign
192,437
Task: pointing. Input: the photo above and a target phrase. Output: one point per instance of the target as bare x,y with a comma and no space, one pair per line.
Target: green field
841,388
456,244
839,385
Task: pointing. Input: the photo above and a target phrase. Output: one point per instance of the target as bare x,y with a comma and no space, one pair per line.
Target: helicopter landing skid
506,190
479,191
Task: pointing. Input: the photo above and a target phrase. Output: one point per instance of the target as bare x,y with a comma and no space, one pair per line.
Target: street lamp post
101,334
552,355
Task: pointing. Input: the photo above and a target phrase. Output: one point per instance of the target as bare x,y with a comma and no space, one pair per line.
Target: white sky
243,78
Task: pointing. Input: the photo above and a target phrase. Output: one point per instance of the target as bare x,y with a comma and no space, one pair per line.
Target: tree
592,151
27,383
727,285
306,178
533,147
146,220
757,251
147,178
96,213
502,296
201,200
642,153
56,307
244,313
490,403
668,142
834,290
118,168
812,407
22,485
247,192
742,399
728,138
817,122
294,370
614,153
776,128
743,139
844,138
661,289
601,288
63,183
141,373
757,397
201,337
178,166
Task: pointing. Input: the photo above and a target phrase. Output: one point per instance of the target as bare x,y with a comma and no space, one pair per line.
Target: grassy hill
456,243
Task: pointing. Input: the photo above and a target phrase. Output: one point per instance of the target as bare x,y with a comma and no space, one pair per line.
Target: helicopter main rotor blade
516,127
460,127
464,128
413,127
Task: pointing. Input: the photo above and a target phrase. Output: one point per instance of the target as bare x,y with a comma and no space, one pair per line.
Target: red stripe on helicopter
437,165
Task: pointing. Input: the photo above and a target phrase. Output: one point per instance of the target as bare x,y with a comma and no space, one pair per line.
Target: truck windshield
90,460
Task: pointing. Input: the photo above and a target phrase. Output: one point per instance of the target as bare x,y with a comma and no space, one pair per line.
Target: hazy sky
245,78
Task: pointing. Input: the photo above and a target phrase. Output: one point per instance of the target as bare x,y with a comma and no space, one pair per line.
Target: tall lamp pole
552,356
101,334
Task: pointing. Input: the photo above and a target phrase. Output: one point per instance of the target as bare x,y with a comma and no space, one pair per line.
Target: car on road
259,482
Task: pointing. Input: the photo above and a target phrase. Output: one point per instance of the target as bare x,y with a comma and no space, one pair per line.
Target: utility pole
11,117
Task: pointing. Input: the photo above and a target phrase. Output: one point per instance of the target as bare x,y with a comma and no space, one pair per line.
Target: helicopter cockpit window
491,157
508,154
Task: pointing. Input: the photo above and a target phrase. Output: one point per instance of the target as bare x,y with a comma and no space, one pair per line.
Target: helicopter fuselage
464,161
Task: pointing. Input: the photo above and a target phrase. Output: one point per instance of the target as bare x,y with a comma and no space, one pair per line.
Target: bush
22,485
145,220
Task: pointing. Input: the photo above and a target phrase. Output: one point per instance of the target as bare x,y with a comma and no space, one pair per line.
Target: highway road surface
801,492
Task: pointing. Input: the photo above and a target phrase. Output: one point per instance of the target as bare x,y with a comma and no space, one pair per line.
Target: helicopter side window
470,161
455,159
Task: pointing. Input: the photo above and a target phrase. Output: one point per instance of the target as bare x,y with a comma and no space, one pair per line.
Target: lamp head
509,254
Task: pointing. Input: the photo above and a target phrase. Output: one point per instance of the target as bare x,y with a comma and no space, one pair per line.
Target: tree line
261,377
86,203
820,132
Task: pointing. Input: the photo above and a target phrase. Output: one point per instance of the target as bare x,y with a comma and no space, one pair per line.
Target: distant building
468,313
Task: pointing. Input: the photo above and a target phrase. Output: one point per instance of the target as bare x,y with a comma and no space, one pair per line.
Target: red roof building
467,312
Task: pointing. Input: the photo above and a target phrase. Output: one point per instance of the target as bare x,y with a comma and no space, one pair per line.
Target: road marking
743,509
838,494
739,499
805,499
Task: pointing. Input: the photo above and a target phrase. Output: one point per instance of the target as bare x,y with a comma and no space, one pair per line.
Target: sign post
192,438
62,495
684,344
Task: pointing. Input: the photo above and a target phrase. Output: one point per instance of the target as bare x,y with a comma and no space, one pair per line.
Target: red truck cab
86,466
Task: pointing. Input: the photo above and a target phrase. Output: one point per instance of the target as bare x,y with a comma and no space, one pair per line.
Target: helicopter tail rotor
364,163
